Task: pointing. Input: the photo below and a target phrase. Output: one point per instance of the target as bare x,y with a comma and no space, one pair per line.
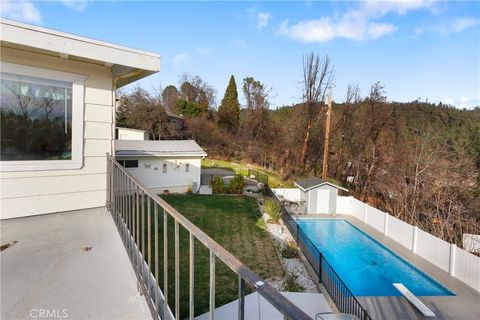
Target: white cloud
180,59
460,24
77,5
462,102
24,11
262,20
359,23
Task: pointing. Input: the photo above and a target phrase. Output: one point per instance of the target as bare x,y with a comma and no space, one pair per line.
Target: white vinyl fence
456,261
292,194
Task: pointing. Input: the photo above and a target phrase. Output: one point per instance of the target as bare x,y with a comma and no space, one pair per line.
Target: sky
425,50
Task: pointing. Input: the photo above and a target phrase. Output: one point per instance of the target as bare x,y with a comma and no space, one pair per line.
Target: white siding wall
129,134
38,192
176,179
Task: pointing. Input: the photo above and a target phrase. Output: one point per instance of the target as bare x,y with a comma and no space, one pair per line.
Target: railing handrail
279,301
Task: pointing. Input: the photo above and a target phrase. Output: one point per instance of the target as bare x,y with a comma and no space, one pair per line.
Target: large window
41,118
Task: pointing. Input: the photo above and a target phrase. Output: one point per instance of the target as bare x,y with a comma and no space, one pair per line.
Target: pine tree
229,109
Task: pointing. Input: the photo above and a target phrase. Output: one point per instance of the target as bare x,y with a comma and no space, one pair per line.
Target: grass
274,180
235,223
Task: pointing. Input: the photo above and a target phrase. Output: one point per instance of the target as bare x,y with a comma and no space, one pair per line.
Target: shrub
290,250
189,190
217,184
290,285
237,184
272,208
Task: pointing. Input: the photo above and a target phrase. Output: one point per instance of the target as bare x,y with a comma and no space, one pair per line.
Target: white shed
173,165
319,196
131,134
58,118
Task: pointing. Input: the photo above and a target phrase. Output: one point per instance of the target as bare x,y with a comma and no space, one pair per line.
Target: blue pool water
367,267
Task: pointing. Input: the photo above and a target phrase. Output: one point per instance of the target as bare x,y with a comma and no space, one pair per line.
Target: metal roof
314,182
158,148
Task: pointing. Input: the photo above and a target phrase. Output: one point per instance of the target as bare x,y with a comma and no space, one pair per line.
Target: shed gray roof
158,148
314,182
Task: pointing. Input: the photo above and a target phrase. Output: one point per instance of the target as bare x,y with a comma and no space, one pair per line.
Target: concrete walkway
67,265
257,308
464,305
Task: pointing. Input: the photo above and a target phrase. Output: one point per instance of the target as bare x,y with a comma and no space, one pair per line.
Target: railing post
177,271
109,184
192,277
212,285
157,288
241,298
165,265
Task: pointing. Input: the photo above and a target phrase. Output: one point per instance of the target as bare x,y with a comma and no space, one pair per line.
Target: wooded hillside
418,160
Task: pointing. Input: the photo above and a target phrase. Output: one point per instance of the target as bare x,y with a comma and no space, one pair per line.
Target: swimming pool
367,267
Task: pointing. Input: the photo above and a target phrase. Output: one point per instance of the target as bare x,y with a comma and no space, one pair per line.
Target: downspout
114,102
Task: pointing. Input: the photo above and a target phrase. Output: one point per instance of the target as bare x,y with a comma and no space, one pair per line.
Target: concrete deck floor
49,269
257,308
465,305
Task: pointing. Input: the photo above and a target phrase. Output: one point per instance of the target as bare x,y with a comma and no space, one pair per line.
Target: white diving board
414,300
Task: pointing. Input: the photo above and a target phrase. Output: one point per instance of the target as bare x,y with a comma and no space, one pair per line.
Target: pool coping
431,278
464,305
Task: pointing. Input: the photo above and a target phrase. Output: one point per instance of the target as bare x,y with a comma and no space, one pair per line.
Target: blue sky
423,49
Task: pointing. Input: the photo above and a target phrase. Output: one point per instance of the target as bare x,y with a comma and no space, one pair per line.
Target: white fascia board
69,44
321,184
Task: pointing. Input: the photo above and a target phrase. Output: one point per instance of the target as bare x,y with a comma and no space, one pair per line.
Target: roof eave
127,64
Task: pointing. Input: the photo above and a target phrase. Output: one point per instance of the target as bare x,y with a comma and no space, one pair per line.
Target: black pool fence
336,288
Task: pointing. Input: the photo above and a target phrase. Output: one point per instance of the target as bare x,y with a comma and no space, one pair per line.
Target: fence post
320,255
453,255
415,237
351,204
365,210
385,224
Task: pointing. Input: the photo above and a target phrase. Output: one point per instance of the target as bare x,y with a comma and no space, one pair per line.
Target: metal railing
336,288
139,214
259,176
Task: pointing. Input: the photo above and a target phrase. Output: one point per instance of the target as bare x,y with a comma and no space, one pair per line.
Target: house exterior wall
25,193
176,179
128,134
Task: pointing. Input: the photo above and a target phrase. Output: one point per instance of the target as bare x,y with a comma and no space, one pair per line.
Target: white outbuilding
162,165
318,196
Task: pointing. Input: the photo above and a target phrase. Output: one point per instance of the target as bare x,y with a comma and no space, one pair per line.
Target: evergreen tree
229,109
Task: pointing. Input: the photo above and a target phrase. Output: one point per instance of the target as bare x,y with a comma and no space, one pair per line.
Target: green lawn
235,223
241,168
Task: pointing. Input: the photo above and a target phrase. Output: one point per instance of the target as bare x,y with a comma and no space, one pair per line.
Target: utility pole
327,136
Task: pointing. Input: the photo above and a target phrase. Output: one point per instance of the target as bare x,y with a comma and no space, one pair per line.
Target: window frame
78,107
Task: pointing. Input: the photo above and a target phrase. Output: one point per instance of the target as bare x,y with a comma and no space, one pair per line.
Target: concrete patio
72,265
257,308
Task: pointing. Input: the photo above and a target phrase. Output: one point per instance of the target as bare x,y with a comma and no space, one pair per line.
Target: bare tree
318,75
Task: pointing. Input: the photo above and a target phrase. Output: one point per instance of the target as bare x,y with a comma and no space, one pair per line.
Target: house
58,117
130,134
319,196
162,165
